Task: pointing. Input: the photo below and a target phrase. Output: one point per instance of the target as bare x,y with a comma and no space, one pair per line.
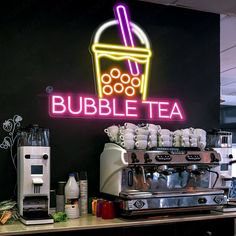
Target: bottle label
72,208
74,202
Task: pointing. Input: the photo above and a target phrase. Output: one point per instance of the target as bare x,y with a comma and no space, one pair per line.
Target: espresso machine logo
121,72
139,204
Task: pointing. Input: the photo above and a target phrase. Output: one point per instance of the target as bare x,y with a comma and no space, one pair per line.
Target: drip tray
176,200
132,194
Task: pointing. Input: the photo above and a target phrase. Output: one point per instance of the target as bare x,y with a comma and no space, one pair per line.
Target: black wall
46,43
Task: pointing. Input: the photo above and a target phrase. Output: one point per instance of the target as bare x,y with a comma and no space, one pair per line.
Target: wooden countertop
93,222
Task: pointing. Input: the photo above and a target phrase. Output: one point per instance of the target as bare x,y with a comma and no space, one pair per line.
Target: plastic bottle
71,198
83,185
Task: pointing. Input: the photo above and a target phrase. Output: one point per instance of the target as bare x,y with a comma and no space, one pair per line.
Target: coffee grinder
33,175
221,141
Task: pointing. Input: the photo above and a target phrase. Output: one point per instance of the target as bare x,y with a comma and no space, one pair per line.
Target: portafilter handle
143,173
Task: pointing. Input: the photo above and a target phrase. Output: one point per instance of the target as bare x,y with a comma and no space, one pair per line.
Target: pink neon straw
121,14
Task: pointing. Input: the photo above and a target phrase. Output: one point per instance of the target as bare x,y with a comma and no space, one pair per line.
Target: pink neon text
81,106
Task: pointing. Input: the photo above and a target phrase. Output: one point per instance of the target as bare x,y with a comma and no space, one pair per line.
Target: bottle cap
76,175
71,175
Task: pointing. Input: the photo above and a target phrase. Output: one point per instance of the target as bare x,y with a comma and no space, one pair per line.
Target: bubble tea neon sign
121,88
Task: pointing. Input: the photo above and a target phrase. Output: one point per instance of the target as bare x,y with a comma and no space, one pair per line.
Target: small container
90,201
99,207
94,206
60,196
83,186
108,211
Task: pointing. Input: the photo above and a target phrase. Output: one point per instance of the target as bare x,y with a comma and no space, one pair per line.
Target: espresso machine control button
202,200
231,156
45,156
193,158
134,158
147,159
163,158
27,156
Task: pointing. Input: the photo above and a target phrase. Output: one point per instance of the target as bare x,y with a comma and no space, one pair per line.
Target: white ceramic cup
153,127
186,144
199,132
126,131
142,131
141,144
128,125
193,140
152,144
166,137
113,130
152,137
140,137
166,143
128,144
165,132
128,136
177,132
194,144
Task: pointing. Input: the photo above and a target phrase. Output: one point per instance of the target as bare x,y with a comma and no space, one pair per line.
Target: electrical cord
217,176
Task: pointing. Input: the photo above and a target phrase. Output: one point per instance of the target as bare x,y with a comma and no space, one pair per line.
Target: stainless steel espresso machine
161,180
33,175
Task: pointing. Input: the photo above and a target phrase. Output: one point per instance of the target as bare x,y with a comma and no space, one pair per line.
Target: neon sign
121,74
81,106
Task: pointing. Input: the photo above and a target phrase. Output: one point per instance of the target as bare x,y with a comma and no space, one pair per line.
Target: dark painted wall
46,43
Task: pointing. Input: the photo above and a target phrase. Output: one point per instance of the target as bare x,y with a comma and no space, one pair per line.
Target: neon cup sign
122,88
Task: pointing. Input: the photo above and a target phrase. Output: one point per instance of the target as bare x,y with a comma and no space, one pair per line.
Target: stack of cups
164,138
201,138
141,137
152,138
177,138
126,135
184,138
187,139
112,132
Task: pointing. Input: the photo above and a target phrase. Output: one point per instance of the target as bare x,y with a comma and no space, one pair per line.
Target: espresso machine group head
33,175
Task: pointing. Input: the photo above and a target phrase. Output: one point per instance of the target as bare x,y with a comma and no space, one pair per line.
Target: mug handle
106,131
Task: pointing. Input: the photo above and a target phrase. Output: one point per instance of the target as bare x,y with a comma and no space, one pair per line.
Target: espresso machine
160,180
33,175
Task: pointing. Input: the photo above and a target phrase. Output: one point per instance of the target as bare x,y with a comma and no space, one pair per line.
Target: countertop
93,222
